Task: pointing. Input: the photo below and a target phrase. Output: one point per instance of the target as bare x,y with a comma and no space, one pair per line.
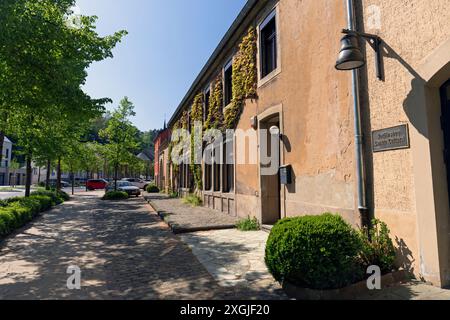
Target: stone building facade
299,91
161,159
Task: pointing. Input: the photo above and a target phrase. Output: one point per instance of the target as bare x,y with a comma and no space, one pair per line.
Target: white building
10,176
6,156
39,175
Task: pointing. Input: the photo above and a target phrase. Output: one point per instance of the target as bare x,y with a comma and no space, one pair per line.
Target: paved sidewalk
184,218
236,260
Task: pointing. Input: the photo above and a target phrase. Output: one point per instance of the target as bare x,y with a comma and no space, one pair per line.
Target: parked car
125,186
96,184
64,184
142,184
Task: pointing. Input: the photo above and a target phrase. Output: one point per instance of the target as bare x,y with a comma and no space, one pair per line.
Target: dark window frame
217,171
228,168
228,83
268,45
206,100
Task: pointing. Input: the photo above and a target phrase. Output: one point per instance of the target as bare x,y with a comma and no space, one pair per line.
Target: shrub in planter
152,189
115,195
248,224
378,248
316,252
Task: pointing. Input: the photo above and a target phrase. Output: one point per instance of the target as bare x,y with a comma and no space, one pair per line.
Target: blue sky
169,41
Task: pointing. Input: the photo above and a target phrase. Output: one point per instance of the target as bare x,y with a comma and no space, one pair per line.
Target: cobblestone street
123,249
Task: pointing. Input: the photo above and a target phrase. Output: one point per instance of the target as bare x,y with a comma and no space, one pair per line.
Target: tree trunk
73,181
87,178
2,140
116,169
28,177
47,178
58,175
39,175
12,182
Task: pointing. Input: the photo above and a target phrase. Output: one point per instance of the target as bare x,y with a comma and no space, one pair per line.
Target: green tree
121,137
43,64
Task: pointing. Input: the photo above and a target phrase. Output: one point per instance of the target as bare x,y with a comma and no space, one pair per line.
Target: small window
7,153
228,83
268,36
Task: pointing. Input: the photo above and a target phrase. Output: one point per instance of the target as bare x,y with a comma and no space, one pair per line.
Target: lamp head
350,55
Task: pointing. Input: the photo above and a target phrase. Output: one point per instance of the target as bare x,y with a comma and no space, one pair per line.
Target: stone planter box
349,293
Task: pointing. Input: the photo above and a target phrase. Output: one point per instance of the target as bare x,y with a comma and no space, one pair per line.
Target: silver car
125,186
142,184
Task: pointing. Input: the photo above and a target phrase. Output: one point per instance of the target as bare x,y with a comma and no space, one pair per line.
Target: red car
99,184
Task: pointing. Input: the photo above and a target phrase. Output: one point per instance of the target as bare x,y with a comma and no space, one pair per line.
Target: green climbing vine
196,116
244,87
245,78
215,113
172,143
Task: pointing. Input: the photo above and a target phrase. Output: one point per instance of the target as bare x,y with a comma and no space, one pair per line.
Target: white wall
7,147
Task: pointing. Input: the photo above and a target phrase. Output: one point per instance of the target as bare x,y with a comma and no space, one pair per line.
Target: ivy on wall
184,121
245,78
196,116
244,83
172,143
215,108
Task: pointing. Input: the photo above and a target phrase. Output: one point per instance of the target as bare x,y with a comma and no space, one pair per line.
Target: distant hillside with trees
146,144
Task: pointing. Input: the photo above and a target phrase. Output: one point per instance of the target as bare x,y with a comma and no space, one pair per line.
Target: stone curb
349,293
176,229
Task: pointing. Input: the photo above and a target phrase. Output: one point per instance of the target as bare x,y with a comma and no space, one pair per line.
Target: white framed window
269,59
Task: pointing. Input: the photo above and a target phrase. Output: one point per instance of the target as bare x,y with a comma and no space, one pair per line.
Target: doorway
270,183
445,122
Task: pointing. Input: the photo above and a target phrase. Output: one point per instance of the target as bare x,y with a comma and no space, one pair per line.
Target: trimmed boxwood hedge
57,197
152,189
316,252
16,212
115,195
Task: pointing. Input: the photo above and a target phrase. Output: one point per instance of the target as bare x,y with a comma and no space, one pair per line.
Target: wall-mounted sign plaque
391,138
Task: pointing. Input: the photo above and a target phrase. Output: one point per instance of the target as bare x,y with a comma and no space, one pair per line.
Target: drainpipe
360,168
